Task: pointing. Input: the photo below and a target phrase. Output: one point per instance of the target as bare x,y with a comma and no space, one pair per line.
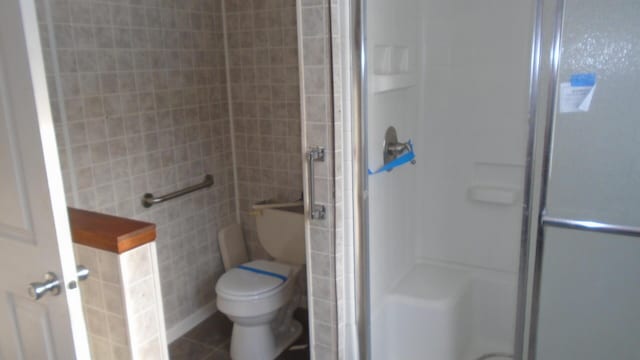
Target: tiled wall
142,92
263,68
122,303
322,128
142,95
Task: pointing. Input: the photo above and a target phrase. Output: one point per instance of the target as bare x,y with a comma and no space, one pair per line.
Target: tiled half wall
122,303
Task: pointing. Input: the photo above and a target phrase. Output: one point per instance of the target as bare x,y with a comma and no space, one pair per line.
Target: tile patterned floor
210,340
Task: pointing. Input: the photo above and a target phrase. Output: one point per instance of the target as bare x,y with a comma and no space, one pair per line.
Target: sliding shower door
589,289
447,86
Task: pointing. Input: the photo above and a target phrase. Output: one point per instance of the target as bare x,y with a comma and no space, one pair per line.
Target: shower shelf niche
494,195
392,69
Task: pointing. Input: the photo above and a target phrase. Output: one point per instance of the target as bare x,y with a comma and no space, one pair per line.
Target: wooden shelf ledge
107,232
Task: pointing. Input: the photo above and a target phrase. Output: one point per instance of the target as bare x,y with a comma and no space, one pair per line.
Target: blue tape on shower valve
586,79
399,161
263,272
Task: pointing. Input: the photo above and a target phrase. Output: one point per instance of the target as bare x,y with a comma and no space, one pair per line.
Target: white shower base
442,312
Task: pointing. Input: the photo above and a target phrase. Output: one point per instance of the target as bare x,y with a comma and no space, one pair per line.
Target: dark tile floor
210,340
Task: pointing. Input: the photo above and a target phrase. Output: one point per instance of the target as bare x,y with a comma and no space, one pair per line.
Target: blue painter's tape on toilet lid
239,282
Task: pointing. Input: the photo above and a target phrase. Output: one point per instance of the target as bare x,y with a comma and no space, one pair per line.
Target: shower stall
444,234
464,105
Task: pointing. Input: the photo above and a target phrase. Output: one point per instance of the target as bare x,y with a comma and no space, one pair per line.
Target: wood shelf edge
108,232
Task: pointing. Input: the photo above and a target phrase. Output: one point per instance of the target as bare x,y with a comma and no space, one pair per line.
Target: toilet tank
281,233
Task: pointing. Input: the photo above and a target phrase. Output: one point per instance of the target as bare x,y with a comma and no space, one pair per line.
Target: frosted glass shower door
590,296
590,281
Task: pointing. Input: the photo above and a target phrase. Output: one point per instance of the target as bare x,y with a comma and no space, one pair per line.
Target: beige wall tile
148,350
323,127
109,267
135,265
264,57
100,348
96,320
135,90
92,294
117,330
113,299
143,327
88,257
140,295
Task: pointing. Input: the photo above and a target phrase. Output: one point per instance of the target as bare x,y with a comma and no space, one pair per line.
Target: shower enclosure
449,258
444,234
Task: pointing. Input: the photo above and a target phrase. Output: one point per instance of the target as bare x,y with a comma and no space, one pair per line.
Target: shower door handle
316,211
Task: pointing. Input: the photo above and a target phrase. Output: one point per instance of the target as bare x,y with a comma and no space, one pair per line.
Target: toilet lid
254,278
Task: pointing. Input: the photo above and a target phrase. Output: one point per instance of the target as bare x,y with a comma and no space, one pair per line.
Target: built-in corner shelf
384,83
107,232
392,68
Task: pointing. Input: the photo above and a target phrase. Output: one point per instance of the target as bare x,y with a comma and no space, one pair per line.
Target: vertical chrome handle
317,212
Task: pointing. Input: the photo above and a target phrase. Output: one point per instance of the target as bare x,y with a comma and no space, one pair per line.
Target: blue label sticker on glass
586,79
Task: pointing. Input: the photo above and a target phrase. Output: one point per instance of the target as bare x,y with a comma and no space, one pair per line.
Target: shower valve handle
397,148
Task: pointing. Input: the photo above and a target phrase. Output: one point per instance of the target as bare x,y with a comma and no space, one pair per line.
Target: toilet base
260,343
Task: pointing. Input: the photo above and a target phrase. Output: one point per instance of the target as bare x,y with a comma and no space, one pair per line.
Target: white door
34,230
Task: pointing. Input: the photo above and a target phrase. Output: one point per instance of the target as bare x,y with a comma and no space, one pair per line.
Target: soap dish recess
494,195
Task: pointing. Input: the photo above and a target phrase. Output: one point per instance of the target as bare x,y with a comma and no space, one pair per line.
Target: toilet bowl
259,296
252,300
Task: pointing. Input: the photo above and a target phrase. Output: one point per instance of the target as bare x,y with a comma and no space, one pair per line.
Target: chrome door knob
83,272
51,284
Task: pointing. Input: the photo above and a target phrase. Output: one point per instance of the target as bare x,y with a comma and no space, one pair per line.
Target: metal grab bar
256,209
149,200
317,212
276,205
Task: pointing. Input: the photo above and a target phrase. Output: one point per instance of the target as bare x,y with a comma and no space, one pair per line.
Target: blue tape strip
263,272
399,161
586,79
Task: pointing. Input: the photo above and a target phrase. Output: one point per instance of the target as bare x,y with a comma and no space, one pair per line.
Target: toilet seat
245,283
259,296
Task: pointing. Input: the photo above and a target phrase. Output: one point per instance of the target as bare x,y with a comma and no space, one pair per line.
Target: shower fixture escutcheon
393,148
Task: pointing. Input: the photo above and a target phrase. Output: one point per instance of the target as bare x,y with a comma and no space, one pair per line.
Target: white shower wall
473,136
463,100
393,210
473,133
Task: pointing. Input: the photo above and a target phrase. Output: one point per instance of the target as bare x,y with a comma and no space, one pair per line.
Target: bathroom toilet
260,296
